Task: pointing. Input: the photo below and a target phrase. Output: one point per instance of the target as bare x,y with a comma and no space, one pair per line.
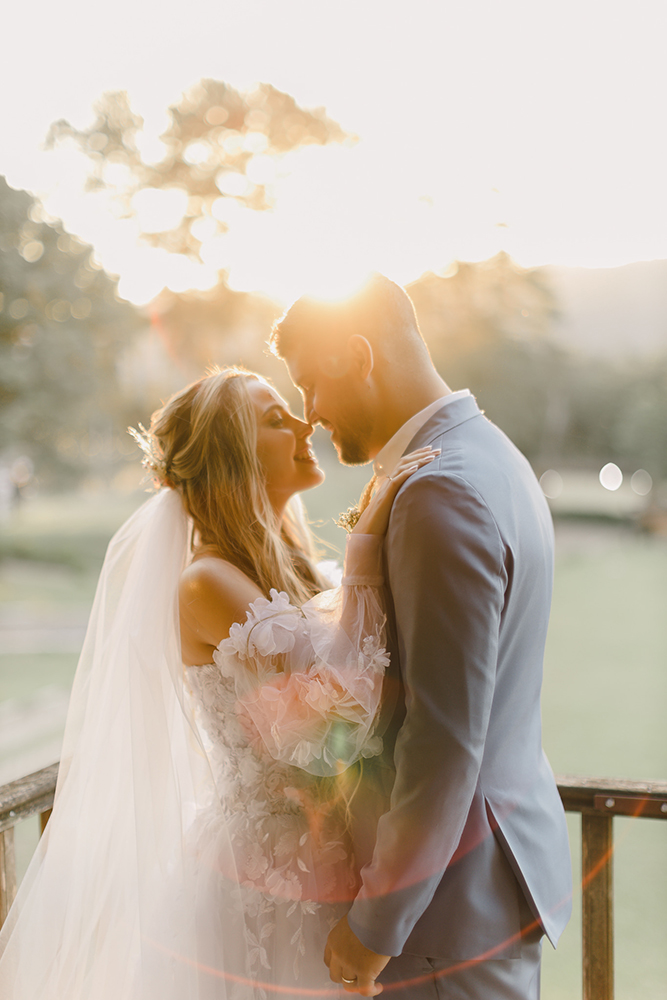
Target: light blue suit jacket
475,821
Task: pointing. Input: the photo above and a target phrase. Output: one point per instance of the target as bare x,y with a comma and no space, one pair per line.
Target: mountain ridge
615,311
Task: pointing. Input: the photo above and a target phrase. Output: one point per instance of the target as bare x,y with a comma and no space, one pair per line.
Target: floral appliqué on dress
289,704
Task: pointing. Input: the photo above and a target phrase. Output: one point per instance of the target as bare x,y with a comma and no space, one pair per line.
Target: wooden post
43,820
7,873
597,906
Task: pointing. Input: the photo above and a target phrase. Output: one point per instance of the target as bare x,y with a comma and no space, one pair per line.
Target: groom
471,863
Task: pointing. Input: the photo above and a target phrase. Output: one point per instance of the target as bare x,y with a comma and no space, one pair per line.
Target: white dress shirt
387,458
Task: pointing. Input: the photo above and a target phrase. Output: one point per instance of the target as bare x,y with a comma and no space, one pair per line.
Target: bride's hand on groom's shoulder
351,963
374,520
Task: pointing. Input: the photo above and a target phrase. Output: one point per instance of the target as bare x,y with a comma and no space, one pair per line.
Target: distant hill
613,311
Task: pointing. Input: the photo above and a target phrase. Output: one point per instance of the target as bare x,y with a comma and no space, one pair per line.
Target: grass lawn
604,700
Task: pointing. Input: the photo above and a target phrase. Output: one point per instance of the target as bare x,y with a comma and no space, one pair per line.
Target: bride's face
283,446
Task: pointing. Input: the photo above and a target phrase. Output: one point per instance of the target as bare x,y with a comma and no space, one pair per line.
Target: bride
199,847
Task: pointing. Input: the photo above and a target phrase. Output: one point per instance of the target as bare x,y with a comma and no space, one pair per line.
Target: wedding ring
349,981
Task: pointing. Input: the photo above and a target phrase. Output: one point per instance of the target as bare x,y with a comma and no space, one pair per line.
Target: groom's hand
347,958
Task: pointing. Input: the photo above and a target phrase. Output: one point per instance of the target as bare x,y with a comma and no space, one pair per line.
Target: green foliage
488,327
618,412
471,306
61,330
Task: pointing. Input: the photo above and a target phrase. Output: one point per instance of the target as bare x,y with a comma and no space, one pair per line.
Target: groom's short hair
381,311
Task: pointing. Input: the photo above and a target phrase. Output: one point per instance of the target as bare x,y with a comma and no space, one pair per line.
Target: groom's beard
353,443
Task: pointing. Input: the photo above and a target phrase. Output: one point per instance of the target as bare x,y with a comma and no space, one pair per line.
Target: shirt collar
387,458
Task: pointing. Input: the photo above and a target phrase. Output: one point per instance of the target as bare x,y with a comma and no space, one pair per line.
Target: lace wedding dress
287,706
199,846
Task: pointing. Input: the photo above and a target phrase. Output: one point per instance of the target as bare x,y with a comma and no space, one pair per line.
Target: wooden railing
597,799
19,800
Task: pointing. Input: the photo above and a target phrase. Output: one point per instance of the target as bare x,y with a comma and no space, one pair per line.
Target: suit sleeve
446,572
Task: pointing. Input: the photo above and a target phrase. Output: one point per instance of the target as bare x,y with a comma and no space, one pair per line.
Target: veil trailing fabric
199,846
91,921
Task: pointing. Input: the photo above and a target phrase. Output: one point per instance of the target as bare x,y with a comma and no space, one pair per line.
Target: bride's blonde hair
203,443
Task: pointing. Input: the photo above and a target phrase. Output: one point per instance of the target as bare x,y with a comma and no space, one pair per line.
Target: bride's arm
213,595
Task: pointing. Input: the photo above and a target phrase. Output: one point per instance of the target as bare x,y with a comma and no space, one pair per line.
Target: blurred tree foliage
222,149
61,330
617,412
488,327
220,327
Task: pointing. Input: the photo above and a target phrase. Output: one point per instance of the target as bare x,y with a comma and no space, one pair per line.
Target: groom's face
335,397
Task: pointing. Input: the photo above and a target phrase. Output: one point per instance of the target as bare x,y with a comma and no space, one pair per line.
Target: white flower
269,629
304,752
256,862
276,635
294,795
375,653
237,641
287,845
249,769
273,625
273,781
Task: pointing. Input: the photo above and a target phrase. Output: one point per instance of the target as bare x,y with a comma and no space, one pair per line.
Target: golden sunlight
336,217
159,209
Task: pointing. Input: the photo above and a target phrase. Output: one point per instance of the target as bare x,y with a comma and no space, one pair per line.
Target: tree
222,151
222,146
487,327
487,324
472,306
62,328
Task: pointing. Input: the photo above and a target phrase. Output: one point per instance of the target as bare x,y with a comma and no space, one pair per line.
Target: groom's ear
362,356
357,357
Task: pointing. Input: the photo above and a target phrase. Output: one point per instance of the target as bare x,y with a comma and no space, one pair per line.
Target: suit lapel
450,416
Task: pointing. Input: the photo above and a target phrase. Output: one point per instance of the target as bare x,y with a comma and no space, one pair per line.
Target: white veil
90,920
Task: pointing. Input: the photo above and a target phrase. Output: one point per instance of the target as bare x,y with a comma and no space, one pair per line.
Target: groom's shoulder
480,453
439,514
443,491
479,475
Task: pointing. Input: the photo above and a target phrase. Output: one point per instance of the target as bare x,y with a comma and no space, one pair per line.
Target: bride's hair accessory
153,460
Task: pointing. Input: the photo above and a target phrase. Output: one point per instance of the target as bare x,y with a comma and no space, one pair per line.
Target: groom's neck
402,398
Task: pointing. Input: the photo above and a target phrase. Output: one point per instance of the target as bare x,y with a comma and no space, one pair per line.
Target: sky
533,127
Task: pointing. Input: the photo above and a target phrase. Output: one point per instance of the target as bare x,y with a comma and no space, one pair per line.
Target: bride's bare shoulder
211,573
213,594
